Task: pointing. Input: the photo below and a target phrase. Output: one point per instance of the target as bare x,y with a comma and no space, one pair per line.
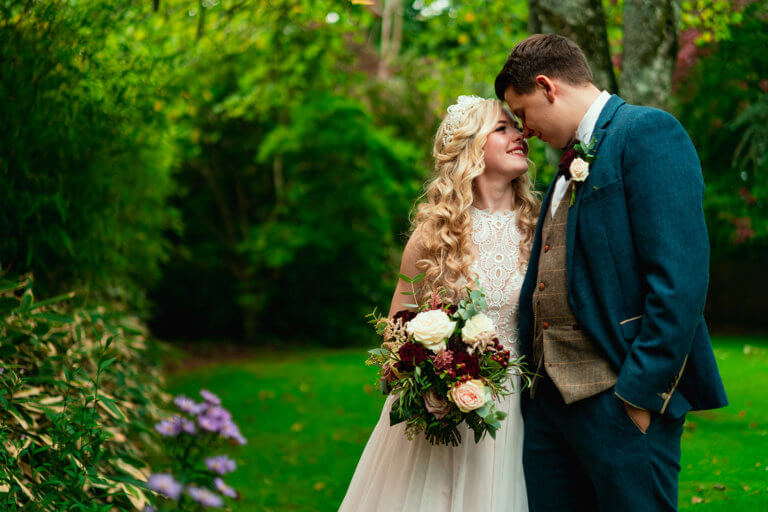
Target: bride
477,221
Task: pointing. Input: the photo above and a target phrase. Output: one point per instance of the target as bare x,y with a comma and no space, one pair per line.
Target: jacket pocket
590,196
630,327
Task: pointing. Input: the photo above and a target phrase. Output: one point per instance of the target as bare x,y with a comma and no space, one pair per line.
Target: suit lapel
609,110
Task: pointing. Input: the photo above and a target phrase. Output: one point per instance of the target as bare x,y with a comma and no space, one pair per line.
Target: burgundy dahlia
466,364
405,315
413,353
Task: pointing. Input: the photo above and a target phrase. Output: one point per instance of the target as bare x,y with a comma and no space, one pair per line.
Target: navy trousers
590,456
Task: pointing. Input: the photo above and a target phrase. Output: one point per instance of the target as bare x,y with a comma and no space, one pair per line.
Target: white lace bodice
498,266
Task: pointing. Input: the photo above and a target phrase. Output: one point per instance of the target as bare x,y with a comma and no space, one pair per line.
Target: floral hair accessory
456,113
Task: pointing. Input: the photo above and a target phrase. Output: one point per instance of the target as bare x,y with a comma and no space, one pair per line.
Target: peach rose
469,395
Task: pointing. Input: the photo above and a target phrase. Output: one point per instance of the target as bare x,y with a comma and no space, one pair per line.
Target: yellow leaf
470,17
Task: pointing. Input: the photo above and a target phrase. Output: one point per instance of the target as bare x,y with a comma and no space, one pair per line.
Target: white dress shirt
583,133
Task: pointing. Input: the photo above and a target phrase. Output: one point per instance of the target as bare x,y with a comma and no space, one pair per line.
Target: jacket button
542,286
546,248
545,325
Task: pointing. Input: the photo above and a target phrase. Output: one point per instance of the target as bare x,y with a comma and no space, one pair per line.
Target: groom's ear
547,86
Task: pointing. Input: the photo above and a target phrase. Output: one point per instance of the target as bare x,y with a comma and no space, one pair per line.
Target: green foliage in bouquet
446,366
77,388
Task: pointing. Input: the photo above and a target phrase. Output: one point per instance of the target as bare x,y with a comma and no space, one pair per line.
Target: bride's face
506,150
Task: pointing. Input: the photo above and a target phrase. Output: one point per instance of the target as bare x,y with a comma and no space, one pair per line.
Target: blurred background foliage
245,169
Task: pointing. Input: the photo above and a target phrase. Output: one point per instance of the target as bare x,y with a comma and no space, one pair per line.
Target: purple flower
224,488
188,405
229,430
205,497
188,426
169,428
220,464
208,423
210,397
219,414
165,484
149,508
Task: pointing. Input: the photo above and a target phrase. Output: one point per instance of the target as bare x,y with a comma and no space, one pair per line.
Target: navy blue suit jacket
637,262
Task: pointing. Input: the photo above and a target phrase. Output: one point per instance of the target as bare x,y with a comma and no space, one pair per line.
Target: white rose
469,395
476,326
579,169
431,329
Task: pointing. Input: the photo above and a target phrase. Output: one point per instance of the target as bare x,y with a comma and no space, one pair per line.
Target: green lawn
308,414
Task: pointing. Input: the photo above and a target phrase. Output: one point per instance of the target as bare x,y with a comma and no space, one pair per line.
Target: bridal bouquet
446,366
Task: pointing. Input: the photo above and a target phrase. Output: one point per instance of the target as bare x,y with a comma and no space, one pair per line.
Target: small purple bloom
188,405
165,484
231,431
219,414
205,497
208,423
169,428
2,371
188,426
149,508
210,397
220,464
224,488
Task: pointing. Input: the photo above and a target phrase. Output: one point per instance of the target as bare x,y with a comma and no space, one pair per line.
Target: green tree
86,155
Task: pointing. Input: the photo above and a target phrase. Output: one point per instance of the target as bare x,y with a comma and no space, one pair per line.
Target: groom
611,307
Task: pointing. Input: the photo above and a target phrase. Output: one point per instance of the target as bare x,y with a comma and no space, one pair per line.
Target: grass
308,414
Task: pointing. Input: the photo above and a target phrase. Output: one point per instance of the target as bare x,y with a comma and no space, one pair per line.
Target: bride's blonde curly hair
442,221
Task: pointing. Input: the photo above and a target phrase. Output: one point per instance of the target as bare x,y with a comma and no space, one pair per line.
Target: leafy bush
86,154
77,388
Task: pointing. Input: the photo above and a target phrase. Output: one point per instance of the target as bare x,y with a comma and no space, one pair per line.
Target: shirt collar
587,124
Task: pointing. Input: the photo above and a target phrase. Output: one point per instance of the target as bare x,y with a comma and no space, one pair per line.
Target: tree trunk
650,48
582,21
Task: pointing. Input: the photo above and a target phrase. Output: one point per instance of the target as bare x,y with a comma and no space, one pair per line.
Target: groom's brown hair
542,54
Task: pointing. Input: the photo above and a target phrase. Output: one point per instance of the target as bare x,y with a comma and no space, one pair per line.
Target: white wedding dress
396,474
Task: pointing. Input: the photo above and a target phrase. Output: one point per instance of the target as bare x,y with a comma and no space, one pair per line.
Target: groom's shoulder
632,118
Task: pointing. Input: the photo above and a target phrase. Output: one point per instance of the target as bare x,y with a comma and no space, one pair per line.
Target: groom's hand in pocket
640,417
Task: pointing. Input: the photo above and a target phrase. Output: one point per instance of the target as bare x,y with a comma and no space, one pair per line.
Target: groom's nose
527,132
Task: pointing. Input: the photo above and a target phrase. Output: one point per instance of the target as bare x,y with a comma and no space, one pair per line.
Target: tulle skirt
396,474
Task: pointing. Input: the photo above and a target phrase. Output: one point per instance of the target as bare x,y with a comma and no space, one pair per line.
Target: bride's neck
494,192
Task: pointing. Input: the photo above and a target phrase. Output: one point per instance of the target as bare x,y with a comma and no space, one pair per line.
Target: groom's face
538,111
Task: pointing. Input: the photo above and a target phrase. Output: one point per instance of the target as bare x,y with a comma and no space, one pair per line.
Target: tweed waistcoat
560,347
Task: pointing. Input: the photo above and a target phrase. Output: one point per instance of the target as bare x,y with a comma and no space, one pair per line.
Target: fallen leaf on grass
753,424
719,487
297,427
742,413
696,500
319,486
